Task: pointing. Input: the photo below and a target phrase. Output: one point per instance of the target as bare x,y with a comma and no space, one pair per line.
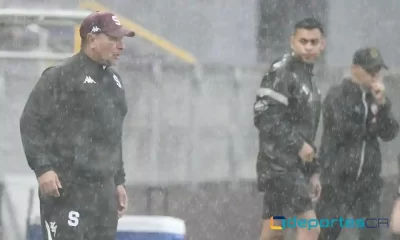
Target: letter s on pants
73,218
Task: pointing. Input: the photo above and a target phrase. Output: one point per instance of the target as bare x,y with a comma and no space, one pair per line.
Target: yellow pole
77,39
145,33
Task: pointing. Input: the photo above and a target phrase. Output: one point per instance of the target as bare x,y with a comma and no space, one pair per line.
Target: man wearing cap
395,216
71,130
356,114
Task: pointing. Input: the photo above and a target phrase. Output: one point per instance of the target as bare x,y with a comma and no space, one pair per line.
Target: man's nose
377,78
120,45
308,47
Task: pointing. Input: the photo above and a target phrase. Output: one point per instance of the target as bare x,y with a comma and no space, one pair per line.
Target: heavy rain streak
199,120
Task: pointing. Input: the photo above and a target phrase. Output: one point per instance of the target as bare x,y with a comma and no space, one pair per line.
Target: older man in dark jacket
356,114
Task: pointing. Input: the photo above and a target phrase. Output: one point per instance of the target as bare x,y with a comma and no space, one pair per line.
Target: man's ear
91,39
323,44
291,41
354,69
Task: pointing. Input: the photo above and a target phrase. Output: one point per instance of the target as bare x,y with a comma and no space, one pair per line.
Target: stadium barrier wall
189,130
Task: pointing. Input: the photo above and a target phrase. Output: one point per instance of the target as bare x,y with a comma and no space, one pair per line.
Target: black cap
370,59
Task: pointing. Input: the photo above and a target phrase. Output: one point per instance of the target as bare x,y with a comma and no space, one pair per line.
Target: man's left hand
378,90
122,200
316,187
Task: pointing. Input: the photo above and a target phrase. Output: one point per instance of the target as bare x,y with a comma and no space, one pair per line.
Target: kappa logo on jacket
305,89
88,79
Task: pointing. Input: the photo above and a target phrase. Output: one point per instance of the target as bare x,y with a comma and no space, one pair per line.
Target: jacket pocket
350,159
262,174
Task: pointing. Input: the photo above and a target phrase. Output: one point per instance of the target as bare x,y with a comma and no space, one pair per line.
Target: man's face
368,78
108,48
308,44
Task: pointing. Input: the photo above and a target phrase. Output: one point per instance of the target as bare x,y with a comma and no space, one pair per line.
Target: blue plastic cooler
151,228
136,228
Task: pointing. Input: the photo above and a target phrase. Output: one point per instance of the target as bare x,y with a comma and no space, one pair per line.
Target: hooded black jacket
349,145
72,121
286,113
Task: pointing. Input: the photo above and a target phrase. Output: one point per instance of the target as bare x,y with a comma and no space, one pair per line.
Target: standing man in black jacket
395,216
286,113
355,114
71,130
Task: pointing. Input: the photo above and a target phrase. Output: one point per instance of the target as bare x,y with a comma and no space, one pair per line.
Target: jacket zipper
363,143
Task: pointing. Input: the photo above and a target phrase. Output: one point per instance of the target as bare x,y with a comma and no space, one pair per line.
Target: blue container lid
152,224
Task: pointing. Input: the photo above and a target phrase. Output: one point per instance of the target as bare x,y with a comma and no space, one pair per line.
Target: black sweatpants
84,211
361,199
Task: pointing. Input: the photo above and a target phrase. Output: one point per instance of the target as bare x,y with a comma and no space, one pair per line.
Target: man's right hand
378,90
306,153
49,184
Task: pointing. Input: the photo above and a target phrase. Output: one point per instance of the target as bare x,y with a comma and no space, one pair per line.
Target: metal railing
10,208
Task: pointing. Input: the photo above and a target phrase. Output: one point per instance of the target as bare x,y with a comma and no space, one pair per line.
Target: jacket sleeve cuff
317,169
385,108
312,169
39,171
119,179
296,145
